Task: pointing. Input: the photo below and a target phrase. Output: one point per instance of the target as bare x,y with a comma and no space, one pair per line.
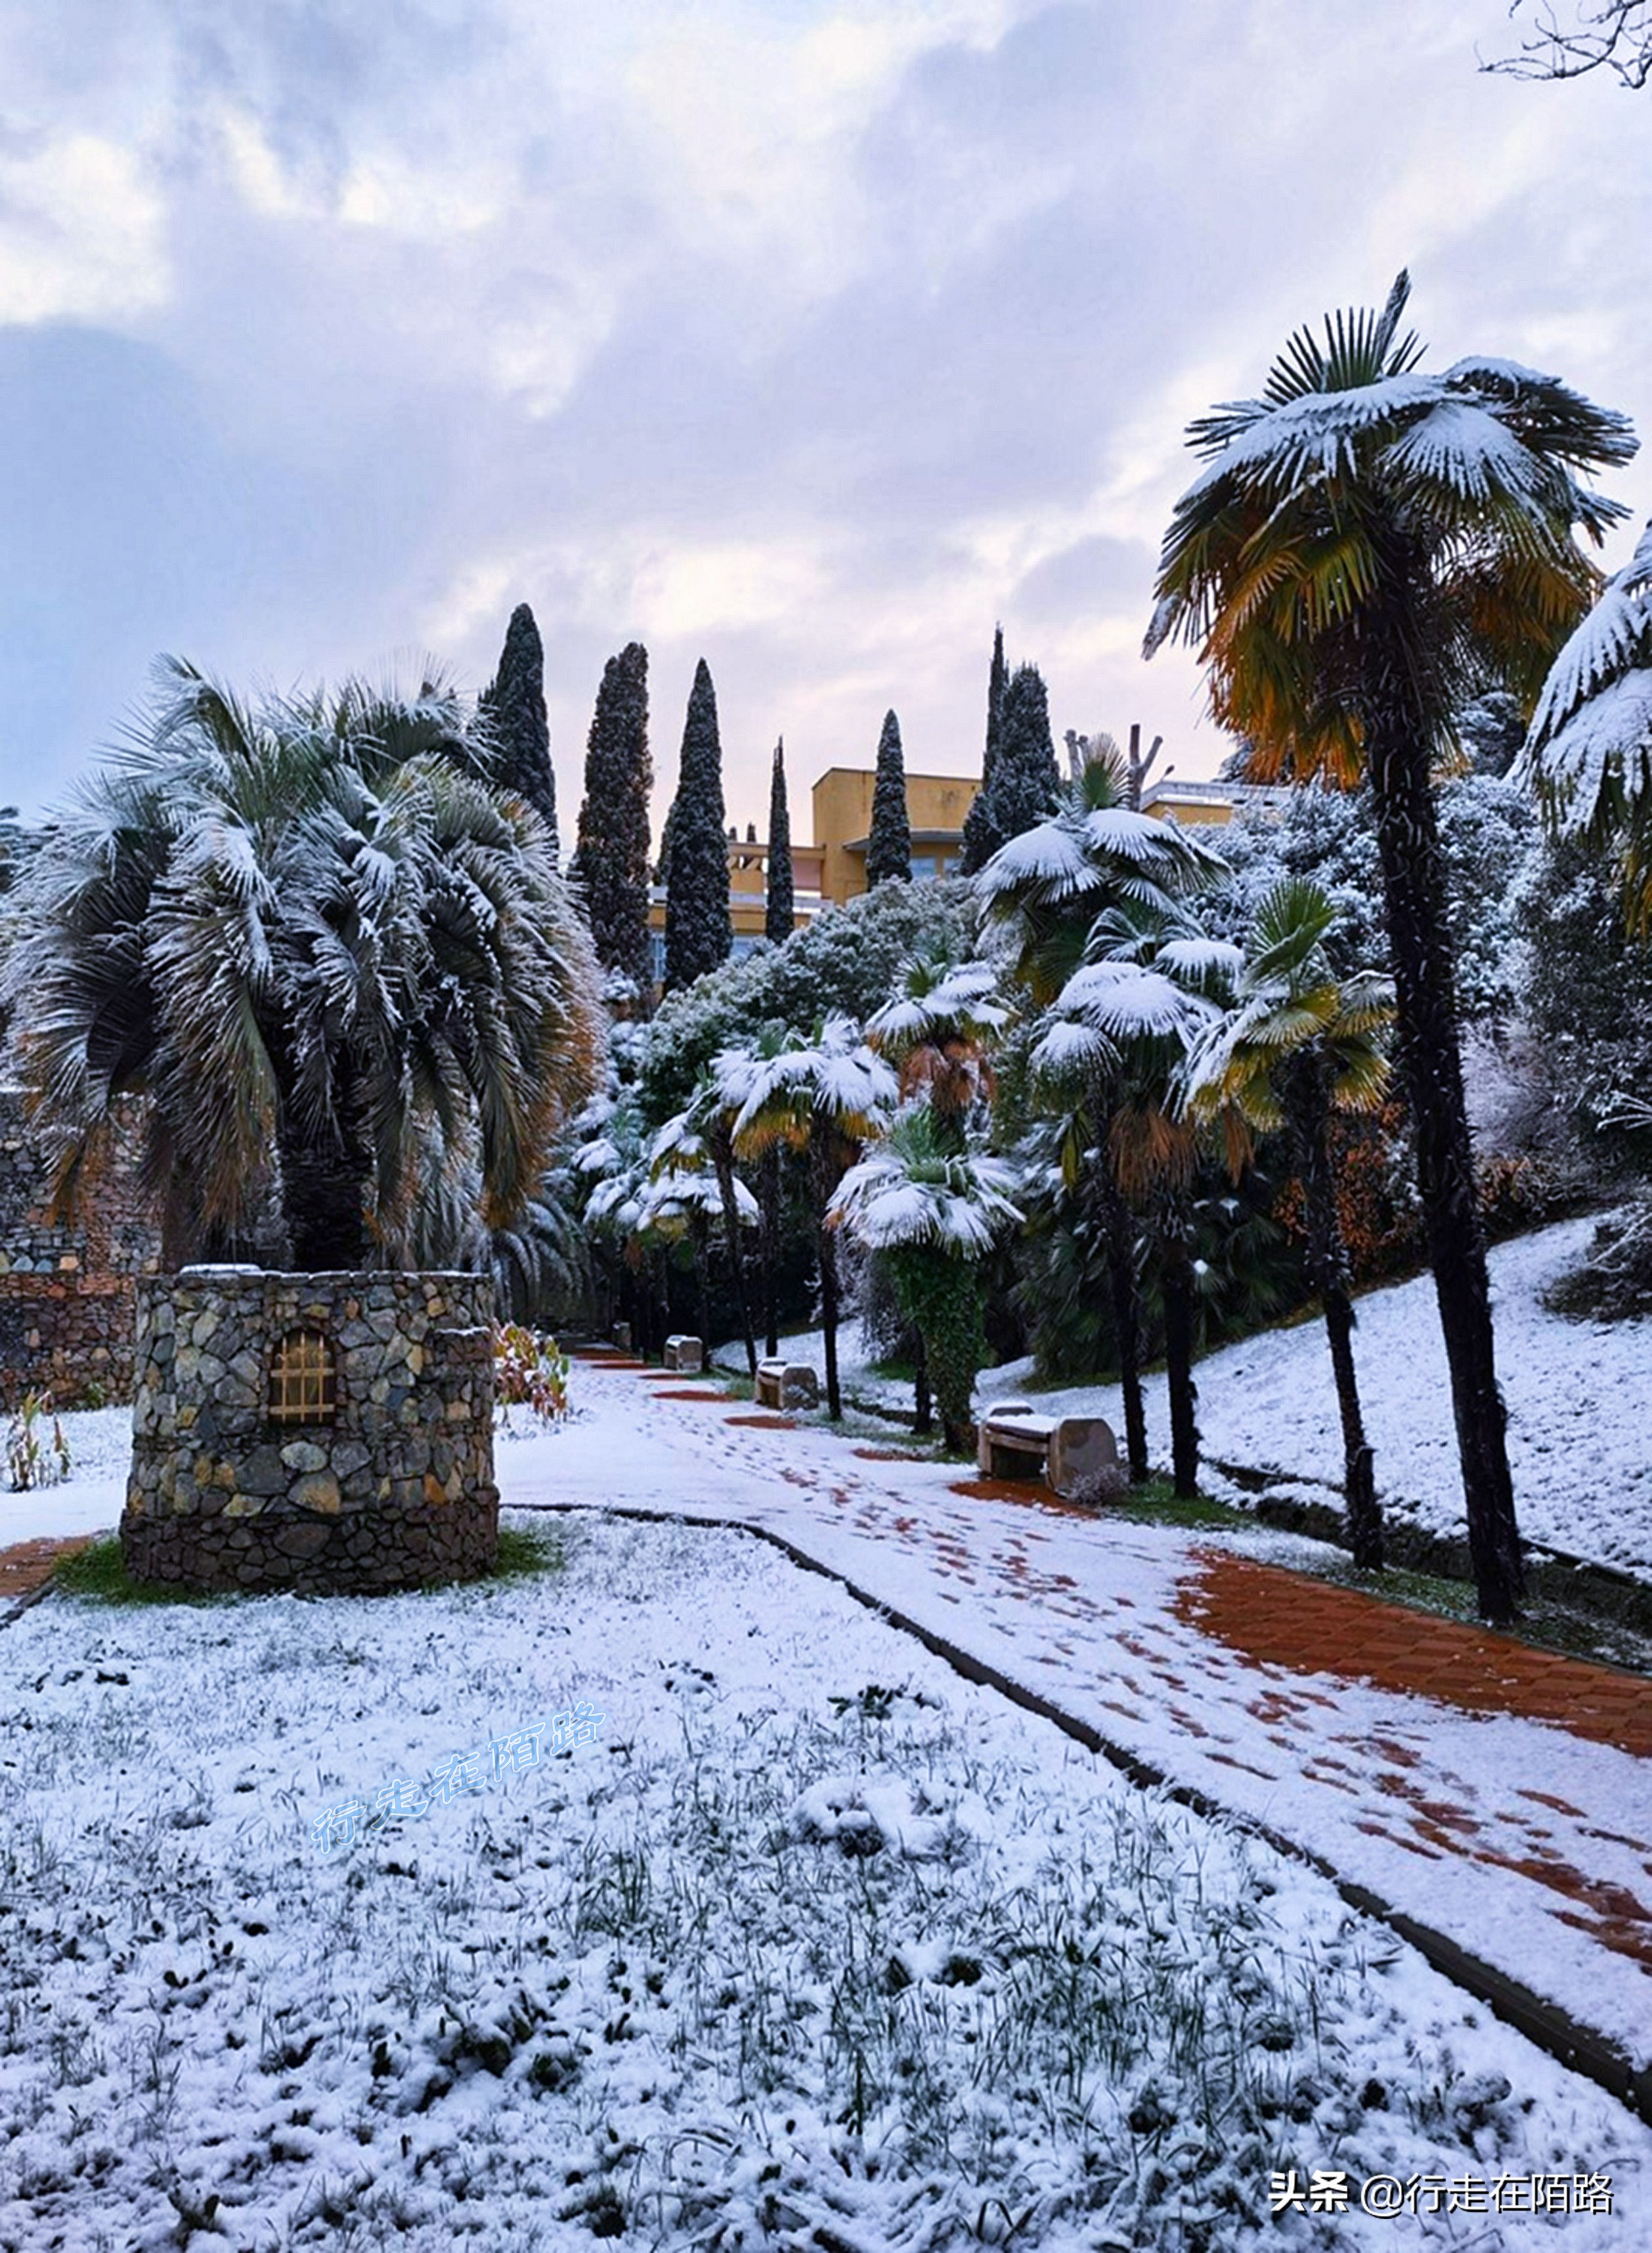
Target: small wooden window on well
303,1385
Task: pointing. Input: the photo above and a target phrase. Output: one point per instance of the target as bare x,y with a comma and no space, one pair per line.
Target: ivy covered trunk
1398,739
1309,1110
941,1295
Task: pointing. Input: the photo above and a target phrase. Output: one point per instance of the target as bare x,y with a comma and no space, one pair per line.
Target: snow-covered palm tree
825,1098
1111,1045
1042,892
1298,1046
936,1031
1368,548
1588,755
933,1210
311,925
688,1196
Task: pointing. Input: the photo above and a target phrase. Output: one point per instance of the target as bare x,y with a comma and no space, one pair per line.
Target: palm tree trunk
323,1200
722,1162
1408,840
699,1236
821,1168
771,1194
1180,1310
1310,1114
1127,1323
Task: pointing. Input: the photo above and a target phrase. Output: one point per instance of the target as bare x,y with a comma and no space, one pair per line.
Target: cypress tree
980,838
611,863
514,702
779,911
1026,785
699,931
889,850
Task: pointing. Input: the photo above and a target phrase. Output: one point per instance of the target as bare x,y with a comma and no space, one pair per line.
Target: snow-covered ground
1579,1443
816,1946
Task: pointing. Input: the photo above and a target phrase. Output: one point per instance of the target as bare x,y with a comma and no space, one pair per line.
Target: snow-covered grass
1577,1393
819,1946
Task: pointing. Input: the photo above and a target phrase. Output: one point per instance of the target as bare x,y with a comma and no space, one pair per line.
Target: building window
303,1383
922,868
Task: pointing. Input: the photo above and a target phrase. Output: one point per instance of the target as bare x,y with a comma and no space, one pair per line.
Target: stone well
312,1432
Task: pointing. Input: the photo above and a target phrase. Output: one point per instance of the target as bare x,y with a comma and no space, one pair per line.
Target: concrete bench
686,1355
787,1384
622,1336
1012,1441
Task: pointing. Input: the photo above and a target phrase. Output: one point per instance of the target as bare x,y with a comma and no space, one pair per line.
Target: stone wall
388,1484
67,1291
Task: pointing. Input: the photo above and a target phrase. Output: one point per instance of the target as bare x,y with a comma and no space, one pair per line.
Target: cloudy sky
808,336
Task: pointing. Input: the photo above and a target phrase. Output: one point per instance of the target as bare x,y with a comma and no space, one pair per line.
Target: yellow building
832,869
842,799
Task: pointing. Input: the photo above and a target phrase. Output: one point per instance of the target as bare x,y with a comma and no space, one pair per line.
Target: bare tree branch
1615,34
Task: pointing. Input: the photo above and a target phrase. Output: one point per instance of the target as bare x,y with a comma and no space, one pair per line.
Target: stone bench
622,1336
685,1354
1012,1441
787,1384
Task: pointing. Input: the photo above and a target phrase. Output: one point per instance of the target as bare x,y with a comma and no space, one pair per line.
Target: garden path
1501,1796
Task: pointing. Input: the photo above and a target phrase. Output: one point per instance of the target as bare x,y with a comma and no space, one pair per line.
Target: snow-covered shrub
529,1371
32,1460
1614,1283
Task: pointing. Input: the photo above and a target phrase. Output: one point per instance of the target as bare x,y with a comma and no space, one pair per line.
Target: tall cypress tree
515,704
1027,786
698,930
980,838
888,848
779,913
611,863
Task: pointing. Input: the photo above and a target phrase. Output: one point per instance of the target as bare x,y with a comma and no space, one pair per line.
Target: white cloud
82,231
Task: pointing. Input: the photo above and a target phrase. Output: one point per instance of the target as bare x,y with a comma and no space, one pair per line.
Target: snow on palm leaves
1588,755
910,1190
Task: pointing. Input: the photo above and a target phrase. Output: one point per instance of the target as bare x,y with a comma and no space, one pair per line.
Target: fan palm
825,1098
311,925
935,1032
1588,756
691,1189
1368,548
1041,893
1298,1045
1114,1040
932,1209
1099,868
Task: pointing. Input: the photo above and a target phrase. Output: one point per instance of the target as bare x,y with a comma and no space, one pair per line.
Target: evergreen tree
611,863
780,911
982,840
699,931
1025,786
888,852
513,706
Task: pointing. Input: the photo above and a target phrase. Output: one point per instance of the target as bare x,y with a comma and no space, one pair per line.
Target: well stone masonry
66,1288
313,1432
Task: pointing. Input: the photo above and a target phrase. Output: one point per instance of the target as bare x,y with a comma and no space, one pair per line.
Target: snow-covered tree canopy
1355,475
910,1191
308,922
1588,754
834,1082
